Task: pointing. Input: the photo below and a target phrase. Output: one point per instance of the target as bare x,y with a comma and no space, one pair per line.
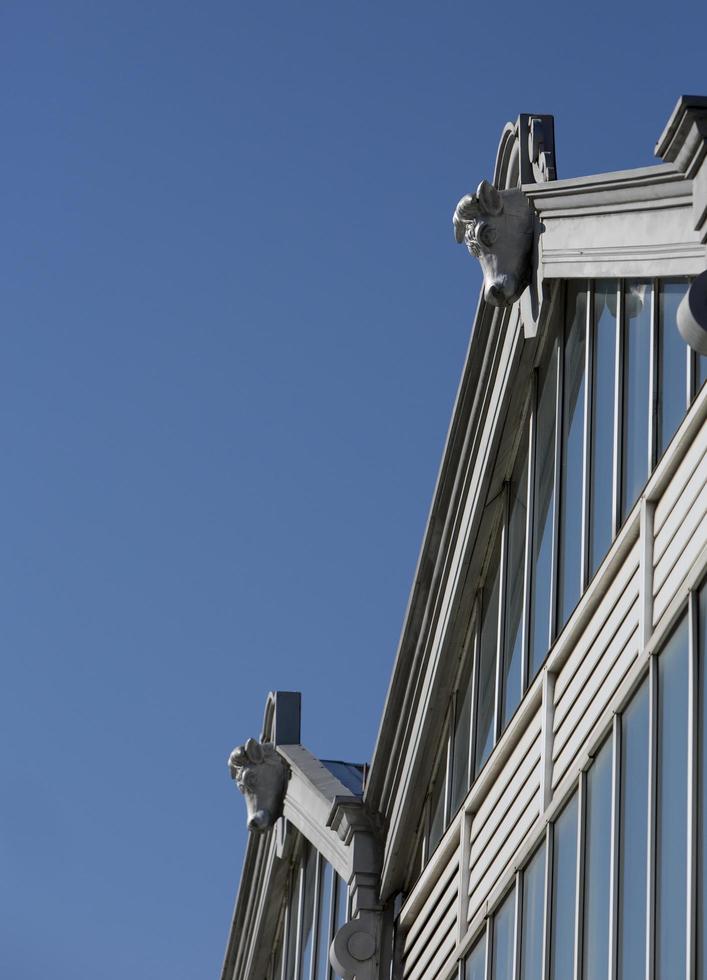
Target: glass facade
626,901
611,389
316,907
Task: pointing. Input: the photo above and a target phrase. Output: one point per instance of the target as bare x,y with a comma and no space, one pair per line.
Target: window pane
637,407
564,893
633,849
602,454
701,370
597,870
671,880
488,646
322,961
570,575
672,364
702,798
307,917
543,506
437,805
462,737
503,939
293,927
531,936
513,638
476,962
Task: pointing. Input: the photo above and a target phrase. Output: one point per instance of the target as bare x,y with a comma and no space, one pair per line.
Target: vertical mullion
476,652
692,784
554,565
656,352
587,447
333,891
448,773
615,845
300,922
315,917
691,374
515,970
652,816
617,485
489,951
547,901
528,569
500,631
286,926
579,895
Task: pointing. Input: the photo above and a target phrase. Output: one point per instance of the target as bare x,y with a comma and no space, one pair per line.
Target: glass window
543,507
342,903
597,868
323,920
671,860
602,441
488,648
564,893
293,927
531,933
633,849
511,678
437,805
672,365
475,968
701,370
573,387
504,939
461,741
702,793
636,394
309,871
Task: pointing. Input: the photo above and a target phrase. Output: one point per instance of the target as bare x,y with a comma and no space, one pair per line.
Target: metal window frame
559,354
614,847
579,884
501,626
529,521
587,441
619,367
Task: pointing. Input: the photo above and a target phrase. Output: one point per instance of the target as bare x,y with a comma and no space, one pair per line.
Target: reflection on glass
277,957
637,407
503,938
293,927
461,738
602,449
531,934
513,637
597,870
633,848
702,791
437,805
488,647
325,891
671,877
569,582
476,962
672,365
564,893
543,506
342,902
701,370
307,917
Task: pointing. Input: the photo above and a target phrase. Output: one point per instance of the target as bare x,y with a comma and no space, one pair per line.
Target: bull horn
489,198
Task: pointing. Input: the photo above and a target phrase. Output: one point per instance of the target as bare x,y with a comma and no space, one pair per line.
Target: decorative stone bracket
261,775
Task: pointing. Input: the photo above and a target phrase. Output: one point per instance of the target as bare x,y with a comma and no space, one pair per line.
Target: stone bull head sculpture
261,775
497,227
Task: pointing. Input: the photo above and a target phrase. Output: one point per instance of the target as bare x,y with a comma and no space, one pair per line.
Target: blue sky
234,319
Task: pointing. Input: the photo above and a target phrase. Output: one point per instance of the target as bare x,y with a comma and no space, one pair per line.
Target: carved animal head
497,228
261,775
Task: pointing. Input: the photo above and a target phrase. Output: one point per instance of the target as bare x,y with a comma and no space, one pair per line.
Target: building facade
536,805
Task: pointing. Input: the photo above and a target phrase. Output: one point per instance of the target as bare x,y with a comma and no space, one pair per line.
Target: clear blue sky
233,322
